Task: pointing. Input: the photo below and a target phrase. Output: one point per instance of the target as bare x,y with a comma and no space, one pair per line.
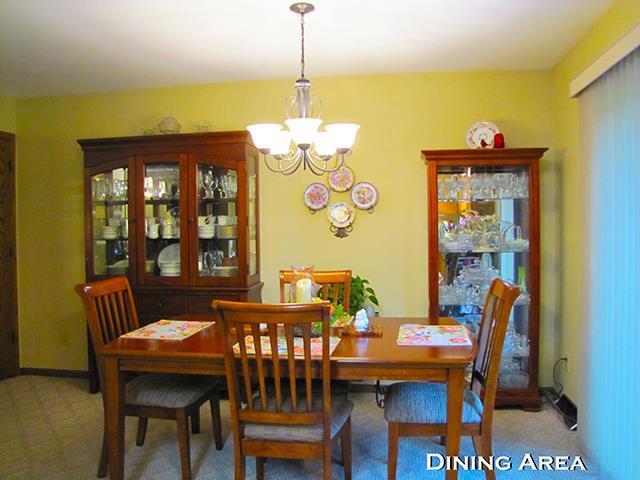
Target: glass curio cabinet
483,211
177,215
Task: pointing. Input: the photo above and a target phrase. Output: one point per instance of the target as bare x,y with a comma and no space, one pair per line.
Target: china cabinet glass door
162,254
252,216
483,234
110,222
217,233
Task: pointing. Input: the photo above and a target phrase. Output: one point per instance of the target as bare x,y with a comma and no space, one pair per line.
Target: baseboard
53,372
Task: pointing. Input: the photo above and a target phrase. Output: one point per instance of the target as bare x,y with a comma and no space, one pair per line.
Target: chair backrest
110,310
493,328
336,285
273,398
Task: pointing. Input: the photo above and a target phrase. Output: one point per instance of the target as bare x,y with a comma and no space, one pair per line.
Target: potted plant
362,295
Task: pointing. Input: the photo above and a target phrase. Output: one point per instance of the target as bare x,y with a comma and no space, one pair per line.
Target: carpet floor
51,428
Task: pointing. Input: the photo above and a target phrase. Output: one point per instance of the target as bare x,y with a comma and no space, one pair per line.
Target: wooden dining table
355,358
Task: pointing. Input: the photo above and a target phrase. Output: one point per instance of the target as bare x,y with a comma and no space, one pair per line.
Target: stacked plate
169,261
207,231
109,232
225,271
170,269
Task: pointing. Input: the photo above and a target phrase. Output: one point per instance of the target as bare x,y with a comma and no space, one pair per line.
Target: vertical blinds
610,387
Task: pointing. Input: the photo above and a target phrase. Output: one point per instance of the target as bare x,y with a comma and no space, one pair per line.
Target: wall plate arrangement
341,214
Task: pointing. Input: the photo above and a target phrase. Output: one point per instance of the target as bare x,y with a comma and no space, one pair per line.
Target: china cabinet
176,214
483,215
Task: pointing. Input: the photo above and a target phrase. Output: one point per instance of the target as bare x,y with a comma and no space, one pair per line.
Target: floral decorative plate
481,131
342,179
316,196
341,214
364,195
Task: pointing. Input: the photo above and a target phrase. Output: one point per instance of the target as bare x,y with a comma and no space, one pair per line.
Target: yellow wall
399,115
7,114
624,15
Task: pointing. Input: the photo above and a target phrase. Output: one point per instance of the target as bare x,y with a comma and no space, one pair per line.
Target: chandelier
318,151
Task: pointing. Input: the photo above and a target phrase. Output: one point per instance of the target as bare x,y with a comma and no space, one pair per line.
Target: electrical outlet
565,359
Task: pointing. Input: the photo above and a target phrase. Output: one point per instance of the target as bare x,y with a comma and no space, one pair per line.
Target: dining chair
420,409
275,411
335,285
111,312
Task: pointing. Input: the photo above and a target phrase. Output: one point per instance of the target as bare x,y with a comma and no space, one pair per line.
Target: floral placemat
433,335
298,346
168,330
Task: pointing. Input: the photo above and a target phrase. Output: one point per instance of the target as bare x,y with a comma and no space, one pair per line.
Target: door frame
12,367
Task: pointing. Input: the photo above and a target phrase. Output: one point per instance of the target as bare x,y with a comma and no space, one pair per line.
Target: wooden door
9,365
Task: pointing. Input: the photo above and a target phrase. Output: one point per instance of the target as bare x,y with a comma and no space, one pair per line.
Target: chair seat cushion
408,402
341,408
166,390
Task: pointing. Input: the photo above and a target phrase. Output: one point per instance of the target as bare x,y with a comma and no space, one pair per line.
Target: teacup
153,230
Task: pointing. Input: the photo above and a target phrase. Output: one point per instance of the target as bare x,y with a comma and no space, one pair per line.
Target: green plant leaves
360,294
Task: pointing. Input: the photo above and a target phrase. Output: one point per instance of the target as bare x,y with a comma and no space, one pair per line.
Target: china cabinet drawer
161,304
202,303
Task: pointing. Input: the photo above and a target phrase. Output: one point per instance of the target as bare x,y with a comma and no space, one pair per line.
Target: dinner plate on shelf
170,254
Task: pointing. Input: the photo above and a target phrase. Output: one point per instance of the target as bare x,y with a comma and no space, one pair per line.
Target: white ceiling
55,47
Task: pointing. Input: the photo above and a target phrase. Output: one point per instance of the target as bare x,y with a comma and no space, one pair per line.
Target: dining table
354,358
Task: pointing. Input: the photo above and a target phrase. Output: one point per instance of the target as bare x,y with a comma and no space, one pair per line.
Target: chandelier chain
302,45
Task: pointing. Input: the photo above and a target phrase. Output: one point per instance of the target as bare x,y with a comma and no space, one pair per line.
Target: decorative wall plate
341,214
316,196
364,195
342,179
481,131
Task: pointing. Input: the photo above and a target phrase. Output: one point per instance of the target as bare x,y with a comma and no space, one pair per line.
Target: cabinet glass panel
110,227
217,221
483,234
252,190
162,219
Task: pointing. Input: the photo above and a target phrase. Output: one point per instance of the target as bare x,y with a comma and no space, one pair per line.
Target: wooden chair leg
182,422
104,456
259,468
239,463
326,460
392,458
214,403
142,430
195,421
346,450
483,447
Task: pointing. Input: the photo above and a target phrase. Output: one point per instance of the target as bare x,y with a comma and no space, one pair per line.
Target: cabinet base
528,401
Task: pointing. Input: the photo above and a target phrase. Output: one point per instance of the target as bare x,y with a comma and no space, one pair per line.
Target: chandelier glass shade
303,144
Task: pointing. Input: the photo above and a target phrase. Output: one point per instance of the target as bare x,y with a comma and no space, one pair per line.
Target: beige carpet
51,428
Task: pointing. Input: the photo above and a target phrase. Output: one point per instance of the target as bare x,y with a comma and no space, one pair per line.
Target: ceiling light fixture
318,151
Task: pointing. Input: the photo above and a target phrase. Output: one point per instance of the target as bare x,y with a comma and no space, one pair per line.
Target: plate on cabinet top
316,196
342,179
481,131
170,255
341,214
364,195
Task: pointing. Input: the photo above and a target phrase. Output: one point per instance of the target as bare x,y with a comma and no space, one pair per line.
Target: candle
303,290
